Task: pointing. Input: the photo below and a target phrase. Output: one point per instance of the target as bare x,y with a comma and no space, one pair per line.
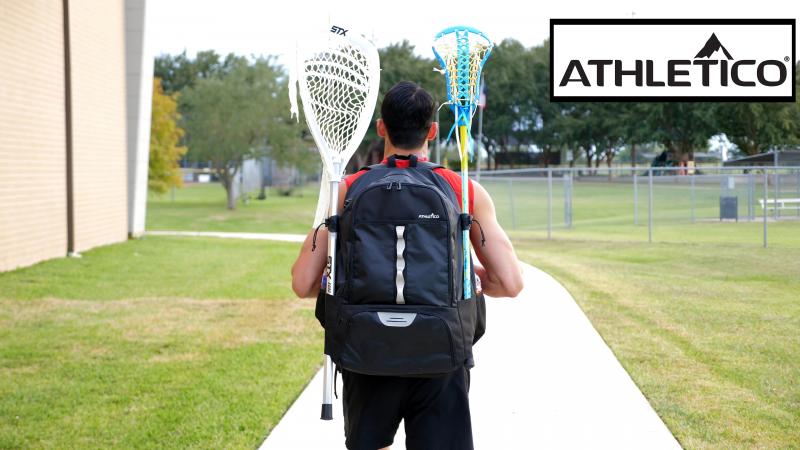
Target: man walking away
435,408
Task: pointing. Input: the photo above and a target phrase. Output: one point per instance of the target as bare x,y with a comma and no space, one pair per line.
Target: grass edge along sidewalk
708,332
164,341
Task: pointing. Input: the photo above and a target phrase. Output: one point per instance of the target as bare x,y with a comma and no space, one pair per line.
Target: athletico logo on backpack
428,216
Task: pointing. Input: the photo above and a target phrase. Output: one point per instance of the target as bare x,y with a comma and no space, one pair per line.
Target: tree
511,117
758,127
165,153
241,114
681,127
179,72
547,134
399,62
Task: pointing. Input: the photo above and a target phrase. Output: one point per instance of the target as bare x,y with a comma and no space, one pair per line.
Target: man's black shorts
435,411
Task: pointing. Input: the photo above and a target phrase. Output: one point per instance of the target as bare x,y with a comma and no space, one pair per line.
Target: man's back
380,311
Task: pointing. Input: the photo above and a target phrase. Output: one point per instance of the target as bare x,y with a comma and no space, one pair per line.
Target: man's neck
389,150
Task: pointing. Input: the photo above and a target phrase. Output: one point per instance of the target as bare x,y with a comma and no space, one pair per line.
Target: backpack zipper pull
389,186
399,186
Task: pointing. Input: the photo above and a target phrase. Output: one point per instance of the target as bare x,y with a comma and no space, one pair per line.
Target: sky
262,27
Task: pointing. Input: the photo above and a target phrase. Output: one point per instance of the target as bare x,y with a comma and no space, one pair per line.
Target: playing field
704,319
708,332
194,342
603,210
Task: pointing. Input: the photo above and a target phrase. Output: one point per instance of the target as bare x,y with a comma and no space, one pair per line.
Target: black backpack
399,307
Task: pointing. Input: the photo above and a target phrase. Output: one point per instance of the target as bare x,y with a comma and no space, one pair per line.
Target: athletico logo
642,59
428,216
713,45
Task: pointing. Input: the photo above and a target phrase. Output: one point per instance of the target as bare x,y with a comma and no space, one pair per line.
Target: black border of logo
662,98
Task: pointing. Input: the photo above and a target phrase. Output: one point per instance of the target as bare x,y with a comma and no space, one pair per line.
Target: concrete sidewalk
231,235
544,379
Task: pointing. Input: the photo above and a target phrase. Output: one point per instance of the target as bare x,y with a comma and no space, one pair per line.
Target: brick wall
32,133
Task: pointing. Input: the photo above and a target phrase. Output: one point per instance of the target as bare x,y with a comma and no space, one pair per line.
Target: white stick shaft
330,288
334,206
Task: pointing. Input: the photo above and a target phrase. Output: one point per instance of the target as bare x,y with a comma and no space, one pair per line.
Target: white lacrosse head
338,76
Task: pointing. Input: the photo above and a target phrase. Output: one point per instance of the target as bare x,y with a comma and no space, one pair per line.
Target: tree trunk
231,198
262,191
226,178
545,160
633,155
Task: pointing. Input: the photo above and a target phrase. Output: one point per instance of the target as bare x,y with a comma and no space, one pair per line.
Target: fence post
549,203
635,199
766,193
567,200
692,180
797,189
751,196
511,202
775,211
650,206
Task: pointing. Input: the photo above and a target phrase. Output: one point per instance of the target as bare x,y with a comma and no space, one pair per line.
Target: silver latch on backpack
396,319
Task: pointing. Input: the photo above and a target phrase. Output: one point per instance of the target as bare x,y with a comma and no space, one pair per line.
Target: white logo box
750,43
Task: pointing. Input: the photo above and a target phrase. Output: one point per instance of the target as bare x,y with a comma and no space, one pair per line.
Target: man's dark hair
407,112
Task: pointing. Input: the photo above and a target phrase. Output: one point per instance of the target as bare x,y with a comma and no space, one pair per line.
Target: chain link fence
719,204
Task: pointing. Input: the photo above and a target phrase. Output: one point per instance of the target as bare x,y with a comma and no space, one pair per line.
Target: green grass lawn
201,207
154,343
708,332
193,342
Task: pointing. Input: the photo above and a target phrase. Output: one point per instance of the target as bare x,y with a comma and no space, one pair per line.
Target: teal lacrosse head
461,52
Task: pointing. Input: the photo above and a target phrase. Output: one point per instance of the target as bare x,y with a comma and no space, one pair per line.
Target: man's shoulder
350,179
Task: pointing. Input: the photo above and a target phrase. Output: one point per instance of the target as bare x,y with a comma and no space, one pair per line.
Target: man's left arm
309,266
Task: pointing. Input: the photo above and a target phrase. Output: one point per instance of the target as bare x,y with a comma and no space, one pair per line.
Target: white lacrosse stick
338,75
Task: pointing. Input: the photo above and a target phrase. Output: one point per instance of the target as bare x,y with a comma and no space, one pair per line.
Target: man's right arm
499,270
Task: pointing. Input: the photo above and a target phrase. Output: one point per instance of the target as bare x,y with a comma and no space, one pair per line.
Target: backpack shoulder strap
429,165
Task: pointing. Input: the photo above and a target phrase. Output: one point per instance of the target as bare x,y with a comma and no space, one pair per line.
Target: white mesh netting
338,78
462,55
338,84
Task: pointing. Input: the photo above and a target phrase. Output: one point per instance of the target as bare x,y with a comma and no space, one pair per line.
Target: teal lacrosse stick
462,52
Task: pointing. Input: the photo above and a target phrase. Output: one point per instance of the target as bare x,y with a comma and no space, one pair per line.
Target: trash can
729,207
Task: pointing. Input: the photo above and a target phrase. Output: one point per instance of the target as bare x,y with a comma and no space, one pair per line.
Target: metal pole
775,173
511,202
692,180
777,211
567,198
635,199
570,199
751,196
797,189
479,147
330,288
766,193
438,144
549,203
650,205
